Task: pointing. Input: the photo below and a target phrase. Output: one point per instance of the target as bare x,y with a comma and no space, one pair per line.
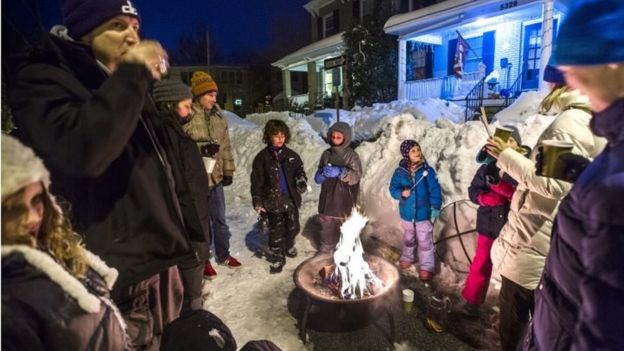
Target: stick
483,119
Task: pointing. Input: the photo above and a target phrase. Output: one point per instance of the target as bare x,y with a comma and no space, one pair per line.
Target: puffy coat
579,304
425,193
339,195
208,127
491,219
265,178
102,141
520,250
44,307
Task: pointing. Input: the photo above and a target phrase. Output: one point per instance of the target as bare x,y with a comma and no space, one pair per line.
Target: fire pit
307,274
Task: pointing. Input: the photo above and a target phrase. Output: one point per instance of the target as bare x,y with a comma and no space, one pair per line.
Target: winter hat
198,330
20,167
553,75
202,83
171,90
260,345
406,146
592,34
82,16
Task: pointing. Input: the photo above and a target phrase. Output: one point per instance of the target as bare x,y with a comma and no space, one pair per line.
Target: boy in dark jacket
339,174
277,182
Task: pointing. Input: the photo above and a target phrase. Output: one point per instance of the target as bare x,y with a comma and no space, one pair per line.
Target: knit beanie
553,75
406,146
82,16
20,167
592,34
171,90
202,83
198,330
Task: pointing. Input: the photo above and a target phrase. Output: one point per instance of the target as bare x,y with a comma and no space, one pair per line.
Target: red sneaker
425,276
209,272
231,262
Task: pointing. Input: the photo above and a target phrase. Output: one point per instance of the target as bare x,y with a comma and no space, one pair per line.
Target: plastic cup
209,164
503,133
408,300
552,150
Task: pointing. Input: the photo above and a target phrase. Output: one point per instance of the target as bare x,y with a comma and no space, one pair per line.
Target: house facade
508,42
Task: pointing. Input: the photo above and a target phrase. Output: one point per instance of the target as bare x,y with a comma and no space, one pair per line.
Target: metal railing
474,99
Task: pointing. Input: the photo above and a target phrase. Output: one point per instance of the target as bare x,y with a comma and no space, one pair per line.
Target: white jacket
519,252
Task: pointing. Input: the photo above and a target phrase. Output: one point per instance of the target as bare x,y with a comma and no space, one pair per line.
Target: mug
503,133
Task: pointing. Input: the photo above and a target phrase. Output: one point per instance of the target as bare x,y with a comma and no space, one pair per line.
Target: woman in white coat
519,253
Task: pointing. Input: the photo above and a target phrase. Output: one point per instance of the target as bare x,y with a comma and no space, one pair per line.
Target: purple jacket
580,299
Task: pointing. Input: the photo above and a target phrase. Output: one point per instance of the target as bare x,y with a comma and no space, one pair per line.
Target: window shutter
487,52
336,18
319,28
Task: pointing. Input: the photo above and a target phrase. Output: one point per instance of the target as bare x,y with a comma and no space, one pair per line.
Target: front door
531,56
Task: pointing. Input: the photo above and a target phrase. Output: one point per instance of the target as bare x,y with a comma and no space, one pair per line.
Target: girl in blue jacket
415,185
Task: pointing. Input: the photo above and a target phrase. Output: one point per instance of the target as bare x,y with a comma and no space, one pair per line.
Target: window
419,58
224,77
232,77
331,24
474,55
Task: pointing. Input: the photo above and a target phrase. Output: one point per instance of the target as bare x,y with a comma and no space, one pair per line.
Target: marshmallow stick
483,119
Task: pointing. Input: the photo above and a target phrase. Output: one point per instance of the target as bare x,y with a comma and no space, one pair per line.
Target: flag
460,56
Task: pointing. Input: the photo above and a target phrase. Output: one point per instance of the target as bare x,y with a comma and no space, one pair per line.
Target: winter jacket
44,307
520,250
265,177
487,181
210,127
191,185
102,141
580,299
425,191
340,194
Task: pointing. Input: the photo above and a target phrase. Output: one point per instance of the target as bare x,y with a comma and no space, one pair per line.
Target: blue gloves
319,178
435,213
330,171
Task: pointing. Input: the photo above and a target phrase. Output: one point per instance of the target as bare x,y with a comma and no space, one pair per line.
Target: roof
329,47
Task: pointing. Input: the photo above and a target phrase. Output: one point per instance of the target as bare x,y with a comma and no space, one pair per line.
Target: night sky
270,28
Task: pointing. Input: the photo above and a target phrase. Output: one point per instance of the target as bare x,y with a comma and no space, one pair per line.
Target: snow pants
283,228
419,236
478,279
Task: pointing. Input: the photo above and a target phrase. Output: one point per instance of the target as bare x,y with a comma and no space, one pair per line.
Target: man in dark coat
81,102
579,303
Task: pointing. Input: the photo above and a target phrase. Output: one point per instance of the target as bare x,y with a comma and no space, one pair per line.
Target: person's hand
260,210
405,193
332,171
209,150
435,213
319,178
495,146
301,185
227,180
151,54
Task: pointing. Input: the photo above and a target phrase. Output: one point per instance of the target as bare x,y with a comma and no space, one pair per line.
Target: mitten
574,165
209,150
301,185
435,213
503,188
490,199
319,178
332,171
227,180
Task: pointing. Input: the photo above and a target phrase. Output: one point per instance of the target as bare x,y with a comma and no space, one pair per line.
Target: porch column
401,68
312,84
547,39
286,83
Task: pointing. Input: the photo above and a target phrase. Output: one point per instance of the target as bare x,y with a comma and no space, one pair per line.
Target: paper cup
552,150
209,164
408,300
503,133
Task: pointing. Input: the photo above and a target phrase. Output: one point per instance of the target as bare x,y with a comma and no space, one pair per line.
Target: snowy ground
257,305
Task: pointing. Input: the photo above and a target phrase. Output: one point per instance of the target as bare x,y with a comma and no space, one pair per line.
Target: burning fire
355,276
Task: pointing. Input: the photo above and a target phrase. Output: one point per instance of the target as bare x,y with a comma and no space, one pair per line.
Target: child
415,185
55,293
277,181
492,190
339,174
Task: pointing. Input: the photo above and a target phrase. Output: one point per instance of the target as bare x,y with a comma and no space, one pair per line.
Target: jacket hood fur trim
74,288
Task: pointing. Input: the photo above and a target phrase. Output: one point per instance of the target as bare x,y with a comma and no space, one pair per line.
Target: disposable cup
408,300
209,164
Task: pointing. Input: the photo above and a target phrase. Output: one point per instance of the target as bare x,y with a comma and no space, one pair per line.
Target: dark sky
270,28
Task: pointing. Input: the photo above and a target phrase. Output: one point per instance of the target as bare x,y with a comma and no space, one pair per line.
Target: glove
227,180
490,199
319,178
301,185
574,165
435,213
209,150
332,171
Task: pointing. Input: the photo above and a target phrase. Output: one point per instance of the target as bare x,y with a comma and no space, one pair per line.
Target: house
509,40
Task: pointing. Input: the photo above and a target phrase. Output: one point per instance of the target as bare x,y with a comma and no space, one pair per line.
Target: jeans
516,304
419,236
220,230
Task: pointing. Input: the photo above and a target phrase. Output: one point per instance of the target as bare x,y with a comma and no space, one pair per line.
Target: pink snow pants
478,279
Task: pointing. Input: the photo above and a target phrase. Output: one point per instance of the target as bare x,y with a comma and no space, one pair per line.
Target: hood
343,128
